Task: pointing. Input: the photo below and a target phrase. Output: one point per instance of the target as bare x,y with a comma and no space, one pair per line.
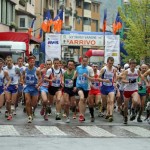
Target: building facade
7,15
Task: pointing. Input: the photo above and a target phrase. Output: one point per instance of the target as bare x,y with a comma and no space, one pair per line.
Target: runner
55,74
32,79
108,77
69,90
3,74
84,74
20,86
142,91
44,90
94,97
11,92
130,77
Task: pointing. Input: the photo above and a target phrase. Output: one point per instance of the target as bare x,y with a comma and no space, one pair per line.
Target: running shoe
42,111
14,113
125,120
29,119
58,116
100,114
45,117
139,119
64,115
132,117
68,120
6,113
92,119
49,110
106,117
74,116
9,117
81,118
110,119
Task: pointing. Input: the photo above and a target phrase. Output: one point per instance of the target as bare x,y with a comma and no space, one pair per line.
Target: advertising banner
52,46
82,40
112,48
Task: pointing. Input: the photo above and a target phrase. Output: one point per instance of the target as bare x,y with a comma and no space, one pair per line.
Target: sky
112,7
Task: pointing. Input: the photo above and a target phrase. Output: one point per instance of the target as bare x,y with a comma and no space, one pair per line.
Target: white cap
126,66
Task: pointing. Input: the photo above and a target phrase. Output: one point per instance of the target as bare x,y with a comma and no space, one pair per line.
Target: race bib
96,85
82,79
30,79
68,83
56,83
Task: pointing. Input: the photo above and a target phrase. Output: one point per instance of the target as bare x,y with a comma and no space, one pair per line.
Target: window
87,6
29,1
93,8
86,21
22,23
78,4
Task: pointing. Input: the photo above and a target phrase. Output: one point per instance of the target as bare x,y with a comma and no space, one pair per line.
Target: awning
10,46
19,37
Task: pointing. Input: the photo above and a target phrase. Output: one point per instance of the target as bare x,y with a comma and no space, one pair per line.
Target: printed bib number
56,83
82,79
96,85
30,79
68,83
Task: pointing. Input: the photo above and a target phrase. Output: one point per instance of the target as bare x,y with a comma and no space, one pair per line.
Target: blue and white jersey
84,82
31,77
22,68
2,78
108,74
14,74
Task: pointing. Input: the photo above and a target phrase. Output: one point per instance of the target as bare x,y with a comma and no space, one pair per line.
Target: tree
136,18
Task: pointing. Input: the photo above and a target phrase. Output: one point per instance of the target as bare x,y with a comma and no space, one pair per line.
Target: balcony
22,2
13,1
87,28
87,1
87,13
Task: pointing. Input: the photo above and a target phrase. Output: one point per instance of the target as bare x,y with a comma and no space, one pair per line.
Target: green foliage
136,17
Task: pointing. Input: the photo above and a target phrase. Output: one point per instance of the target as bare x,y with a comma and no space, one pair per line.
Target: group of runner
53,84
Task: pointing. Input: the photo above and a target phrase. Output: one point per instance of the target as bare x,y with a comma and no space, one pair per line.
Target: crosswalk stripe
96,131
8,130
137,130
50,130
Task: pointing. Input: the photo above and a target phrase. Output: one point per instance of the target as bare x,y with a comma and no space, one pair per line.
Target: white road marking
137,130
50,130
8,130
96,131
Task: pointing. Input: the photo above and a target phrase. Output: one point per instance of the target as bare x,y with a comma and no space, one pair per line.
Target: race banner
52,46
112,48
82,40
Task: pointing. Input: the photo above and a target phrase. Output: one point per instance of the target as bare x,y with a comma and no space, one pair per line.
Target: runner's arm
100,76
7,78
124,76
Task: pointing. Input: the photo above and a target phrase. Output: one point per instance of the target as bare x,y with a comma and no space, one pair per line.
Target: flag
104,21
47,22
117,25
30,30
40,34
58,22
